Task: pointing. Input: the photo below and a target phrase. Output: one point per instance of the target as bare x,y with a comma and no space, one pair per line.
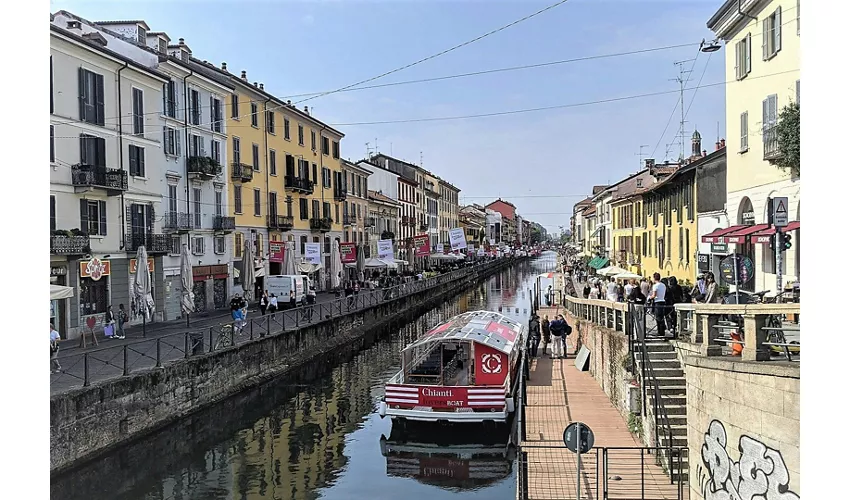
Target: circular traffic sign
585,437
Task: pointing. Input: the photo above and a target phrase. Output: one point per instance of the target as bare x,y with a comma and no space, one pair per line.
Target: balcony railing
177,221
340,195
203,167
242,172
153,243
113,180
298,184
323,225
224,224
280,222
349,220
69,245
771,143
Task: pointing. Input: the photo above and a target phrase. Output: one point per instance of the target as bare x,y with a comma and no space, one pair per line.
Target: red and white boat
463,370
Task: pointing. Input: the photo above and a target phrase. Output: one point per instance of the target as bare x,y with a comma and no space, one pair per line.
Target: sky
543,161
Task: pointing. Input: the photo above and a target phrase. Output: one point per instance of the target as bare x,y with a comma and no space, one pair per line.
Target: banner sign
276,250
94,269
313,253
421,244
480,252
457,238
348,253
385,249
133,265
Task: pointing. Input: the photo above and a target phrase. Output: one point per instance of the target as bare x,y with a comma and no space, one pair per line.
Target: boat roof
484,327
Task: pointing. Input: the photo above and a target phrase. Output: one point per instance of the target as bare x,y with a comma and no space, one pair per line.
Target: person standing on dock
547,334
557,329
657,297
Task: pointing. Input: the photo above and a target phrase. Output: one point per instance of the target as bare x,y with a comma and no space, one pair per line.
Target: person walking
109,323
122,319
586,292
272,304
567,329
549,295
264,302
54,350
658,298
675,295
547,334
534,334
645,287
627,290
557,330
236,312
711,295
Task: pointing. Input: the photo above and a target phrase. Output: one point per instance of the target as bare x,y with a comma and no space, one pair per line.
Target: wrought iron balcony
323,225
340,195
771,143
298,184
203,167
179,222
69,244
241,172
113,180
349,220
280,222
153,242
224,224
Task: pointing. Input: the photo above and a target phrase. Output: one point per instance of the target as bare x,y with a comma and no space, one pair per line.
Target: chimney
306,110
703,153
255,85
717,146
288,102
722,143
244,75
224,66
261,86
181,42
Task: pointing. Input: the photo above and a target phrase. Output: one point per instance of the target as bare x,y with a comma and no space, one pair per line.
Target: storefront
133,310
94,289
210,287
59,308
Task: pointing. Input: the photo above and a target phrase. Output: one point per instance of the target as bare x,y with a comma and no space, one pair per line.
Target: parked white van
290,290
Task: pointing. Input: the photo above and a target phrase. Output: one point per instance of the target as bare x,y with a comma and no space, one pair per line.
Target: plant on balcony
387,235
788,134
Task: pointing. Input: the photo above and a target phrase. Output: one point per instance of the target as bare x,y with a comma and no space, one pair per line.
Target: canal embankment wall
89,421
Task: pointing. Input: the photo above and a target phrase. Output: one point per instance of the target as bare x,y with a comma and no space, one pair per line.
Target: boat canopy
484,327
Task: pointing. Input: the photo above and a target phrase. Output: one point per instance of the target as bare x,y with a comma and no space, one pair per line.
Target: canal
316,434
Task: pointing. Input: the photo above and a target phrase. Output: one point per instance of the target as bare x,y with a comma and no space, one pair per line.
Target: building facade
508,220
493,227
472,218
448,209
355,208
384,212
431,188
760,84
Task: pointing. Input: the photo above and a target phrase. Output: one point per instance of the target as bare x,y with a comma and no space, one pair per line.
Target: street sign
586,437
719,248
780,211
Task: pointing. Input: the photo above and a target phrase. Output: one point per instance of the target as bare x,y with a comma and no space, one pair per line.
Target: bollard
186,344
158,354
212,346
86,370
125,360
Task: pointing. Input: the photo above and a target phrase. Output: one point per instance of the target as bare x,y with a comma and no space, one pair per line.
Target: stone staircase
670,378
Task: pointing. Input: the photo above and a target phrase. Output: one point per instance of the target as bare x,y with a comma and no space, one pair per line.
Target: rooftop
483,327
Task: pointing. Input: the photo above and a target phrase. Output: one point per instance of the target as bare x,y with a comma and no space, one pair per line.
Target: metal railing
114,180
242,172
94,365
69,245
298,184
203,166
224,223
178,221
153,242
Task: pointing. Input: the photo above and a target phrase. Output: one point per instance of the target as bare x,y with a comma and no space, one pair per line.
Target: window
238,245
257,202
169,99
196,145
326,148
745,133
237,200
171,141
255,156
196,197
172,198
138,112
286,128
258,244
270,121
303,242
326,177
326,210
137,161
743,57
219,203
237,150
315,174
234,106
94,296
681,243
216,151
300,134
52,213
289,206
194,107
176,246
769,116
272,204
198,245
217,118
162,46
218,245
91,97
336,212
52,146
797,95
303,210
92,150
313,140
272,162
771,34
687,245
143,34
51,84
93,217
316,207
254,117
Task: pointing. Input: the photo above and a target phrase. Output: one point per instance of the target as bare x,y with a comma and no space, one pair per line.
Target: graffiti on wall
760,474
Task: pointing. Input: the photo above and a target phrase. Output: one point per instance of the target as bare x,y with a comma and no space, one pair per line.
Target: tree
788,134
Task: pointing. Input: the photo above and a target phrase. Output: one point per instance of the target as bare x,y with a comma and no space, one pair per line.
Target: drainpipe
266,156
186,135
322,170
742,13
121,156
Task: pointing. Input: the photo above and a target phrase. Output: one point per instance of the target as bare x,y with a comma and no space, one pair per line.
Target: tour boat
463,370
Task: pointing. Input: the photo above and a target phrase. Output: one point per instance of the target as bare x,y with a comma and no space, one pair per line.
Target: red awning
740,235
717,236
765,235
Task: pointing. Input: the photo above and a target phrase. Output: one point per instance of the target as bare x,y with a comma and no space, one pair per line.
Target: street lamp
712,46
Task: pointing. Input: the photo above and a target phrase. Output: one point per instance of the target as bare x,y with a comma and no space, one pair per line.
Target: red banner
443,397
491,366
348,253
276,249
421,243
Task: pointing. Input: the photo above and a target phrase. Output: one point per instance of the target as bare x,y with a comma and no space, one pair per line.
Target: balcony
322,225
153,243
69,243
771,143
349,220
241,172
178,222
222,224
280,222
340,195
369,222
203,167
423,227
113,180
298,184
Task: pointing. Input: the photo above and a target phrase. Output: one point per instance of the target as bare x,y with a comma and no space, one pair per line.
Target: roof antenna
420,160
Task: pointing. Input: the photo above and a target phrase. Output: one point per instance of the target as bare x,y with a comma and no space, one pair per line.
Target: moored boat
462,370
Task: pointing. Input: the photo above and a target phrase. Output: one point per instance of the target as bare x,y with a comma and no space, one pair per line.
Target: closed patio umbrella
361,263
248,276
142,287
336,265
289,259
187,298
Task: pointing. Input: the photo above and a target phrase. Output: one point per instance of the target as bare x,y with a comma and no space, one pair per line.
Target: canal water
317,434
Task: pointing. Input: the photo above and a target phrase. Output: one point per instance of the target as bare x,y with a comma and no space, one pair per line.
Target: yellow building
763,76
286,180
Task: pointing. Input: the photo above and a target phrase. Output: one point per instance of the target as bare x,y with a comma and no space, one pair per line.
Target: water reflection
312,434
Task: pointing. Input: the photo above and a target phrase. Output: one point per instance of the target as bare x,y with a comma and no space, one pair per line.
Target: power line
694,95
434,56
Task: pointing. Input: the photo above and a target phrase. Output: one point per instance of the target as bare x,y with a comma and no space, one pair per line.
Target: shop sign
94,269
720,247
58,271
347,253
420,243
745,269
276,250
203,273
133,265
703,260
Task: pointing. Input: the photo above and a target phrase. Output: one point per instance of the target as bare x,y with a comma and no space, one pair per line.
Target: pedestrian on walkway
627,290
675,295
557,329
236,312
636,296
658,298
273,304
54,350
547,334
109,323
264,302
534,334
549,295
565,337
122,319
586,292
612,290
645,287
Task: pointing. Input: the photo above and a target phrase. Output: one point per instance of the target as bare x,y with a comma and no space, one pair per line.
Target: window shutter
765,118
202,146
777,32
738,60
149,218
140,160
765,36
83,156
212,114
84,215
176,143
82,91
52,213
99,114
134,166
748,53
745,132
101,210
101,152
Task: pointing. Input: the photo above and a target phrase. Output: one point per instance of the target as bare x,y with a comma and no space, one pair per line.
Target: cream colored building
762,70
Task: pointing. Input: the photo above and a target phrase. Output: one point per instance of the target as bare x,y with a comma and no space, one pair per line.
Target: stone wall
743,415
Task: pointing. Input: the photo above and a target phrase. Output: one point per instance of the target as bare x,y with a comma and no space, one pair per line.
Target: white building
493,227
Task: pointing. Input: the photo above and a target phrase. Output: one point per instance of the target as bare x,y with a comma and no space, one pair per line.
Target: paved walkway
559,394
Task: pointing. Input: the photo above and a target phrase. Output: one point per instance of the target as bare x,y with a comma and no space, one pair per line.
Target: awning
58,292
716,236
765,235
740,235
598,263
